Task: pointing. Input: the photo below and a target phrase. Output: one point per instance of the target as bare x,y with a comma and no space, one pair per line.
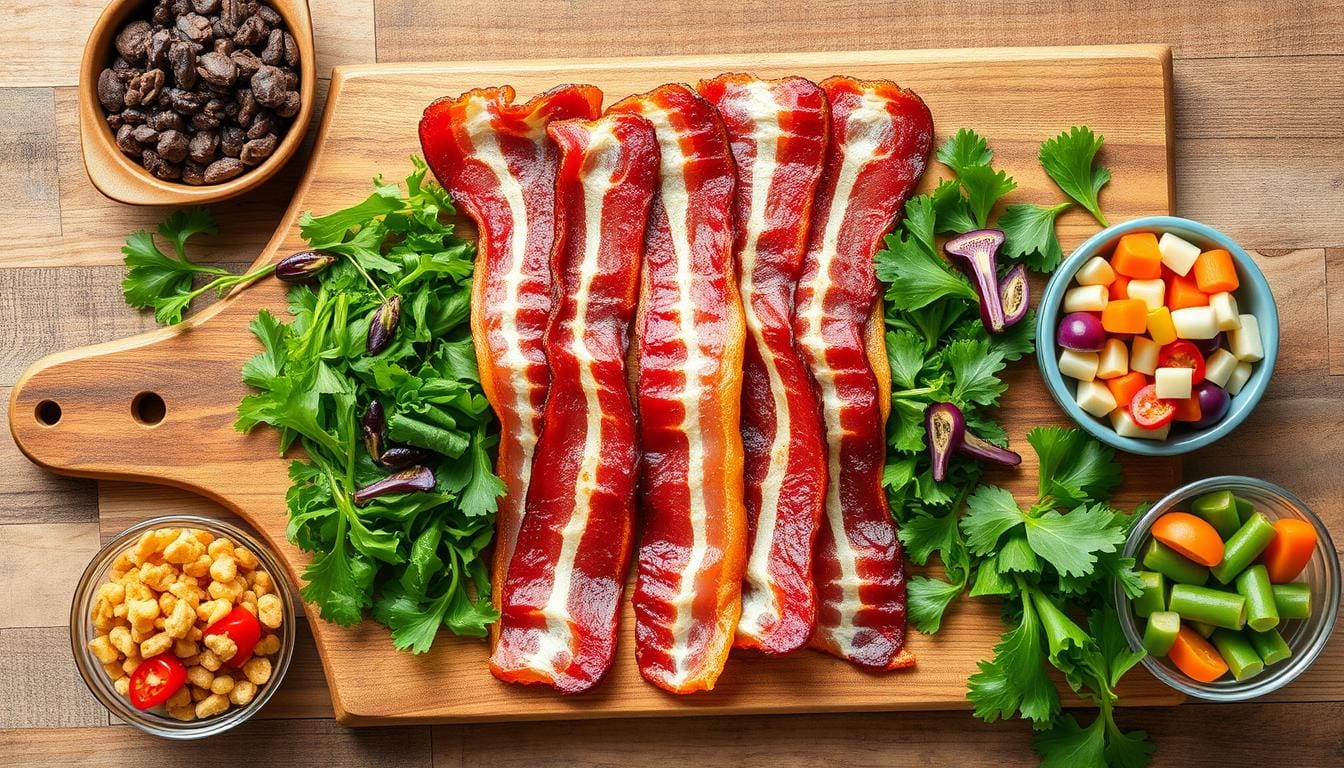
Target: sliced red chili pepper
156,680
243,629
1182,354
1150,411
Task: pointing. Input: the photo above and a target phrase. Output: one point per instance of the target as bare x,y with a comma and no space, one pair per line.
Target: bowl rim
1047,314
100,685
1259,685
119,178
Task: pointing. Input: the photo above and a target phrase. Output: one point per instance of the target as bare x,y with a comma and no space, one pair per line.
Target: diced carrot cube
1126,387
1137,256
1184,292
1119,288
1188,409
1125,316
1215,272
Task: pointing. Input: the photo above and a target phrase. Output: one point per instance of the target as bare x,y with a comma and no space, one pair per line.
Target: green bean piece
1154,597
1244,510
1211,606
1175,566
1236,650
1292,601
1219,509
1269,646
1204,630
1253,584
1244,546
1160,634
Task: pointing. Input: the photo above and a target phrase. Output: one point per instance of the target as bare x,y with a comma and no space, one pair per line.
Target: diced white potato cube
1095,398
1152,293
1125,426
1143,355
1194,322
1218,368
1086,298
1240,375
1078,365
1225,312
1179,255
1245,341
1114,360
1097,271
1174,383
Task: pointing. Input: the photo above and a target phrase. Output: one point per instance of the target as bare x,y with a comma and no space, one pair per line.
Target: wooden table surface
1259,153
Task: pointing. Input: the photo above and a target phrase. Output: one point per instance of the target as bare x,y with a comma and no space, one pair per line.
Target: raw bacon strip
880,139
691,556
494,158
778,131
564,583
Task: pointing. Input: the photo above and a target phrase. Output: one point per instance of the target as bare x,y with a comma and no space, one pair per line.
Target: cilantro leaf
984,186
952,213
905,354
927,600
990,513
1015,680
915,277
1067,158
1067,745
1070,542
183,223
975,370
1029,235
964,149
339,583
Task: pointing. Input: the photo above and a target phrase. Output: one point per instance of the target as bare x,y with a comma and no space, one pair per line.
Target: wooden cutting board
1015,97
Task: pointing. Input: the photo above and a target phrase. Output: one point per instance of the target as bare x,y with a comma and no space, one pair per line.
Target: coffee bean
172,146
180,7
205,7
224,45
247,62
186,102
247,107
182,56
126,141
231,140
291,50
133,41
269,15
274,52
143,89
205,122
250,32
111,91
202,146
115,122
159,43
193,173
222,170
165,120
268,86
262,125
217,69
144,134
195,28
257,150
134,116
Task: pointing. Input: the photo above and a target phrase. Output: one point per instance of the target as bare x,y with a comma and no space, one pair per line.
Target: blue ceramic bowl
1253,297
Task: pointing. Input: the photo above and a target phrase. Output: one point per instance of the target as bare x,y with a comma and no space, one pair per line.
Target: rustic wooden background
1259,120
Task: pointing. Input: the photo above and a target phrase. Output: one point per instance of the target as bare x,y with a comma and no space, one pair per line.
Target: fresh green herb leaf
1029,235
1068,158
984,187
975,370
965,149
915,277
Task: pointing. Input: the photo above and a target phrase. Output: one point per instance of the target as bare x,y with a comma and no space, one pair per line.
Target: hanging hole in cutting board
148,408
48,413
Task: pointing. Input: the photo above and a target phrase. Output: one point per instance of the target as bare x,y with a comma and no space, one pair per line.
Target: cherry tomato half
156,680
243,629
1182,354
1150,411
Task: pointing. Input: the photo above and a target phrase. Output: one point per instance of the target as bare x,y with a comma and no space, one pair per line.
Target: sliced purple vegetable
976,252
371,427
986,451
1213,404
1207,347
1082,332
406,481
303,265
946,429
401,457
383,325
1014,295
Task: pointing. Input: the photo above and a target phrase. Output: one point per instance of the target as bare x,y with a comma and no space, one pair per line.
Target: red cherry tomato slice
1150,411
1182,354
156,680
243,629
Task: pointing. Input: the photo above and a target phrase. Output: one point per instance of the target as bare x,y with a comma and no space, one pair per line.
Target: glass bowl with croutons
183,626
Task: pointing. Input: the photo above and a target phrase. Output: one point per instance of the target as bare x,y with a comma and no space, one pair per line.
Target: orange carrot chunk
1290,550
1124,388
1196,657
1137,256
1191,536
1125,316
1215,272
1119,288
1184,292
1189,409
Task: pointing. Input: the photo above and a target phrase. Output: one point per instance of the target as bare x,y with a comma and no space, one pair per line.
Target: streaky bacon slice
563,592
692,552
494,158
880,141
778,132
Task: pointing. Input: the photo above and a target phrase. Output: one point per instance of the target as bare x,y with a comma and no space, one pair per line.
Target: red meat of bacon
563,591
494,158
880,140
691,556
778,132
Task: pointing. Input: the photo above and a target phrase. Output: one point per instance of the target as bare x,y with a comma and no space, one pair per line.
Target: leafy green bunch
414,558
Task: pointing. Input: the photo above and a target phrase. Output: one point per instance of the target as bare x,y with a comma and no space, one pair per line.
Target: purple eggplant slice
946,428
371,427
406,481
401,457
976,252
986,451
1014,295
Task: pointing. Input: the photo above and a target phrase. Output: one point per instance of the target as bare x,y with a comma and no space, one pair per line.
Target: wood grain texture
30,495
28,155
368,129
42,686
1334,309
56,550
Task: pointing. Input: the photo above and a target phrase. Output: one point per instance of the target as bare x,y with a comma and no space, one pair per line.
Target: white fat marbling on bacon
555,646
759,606
863,135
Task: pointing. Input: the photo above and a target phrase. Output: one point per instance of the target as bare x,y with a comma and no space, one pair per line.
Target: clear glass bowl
1306,638
152,721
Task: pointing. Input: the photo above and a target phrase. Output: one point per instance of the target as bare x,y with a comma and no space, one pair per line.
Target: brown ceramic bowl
121,178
